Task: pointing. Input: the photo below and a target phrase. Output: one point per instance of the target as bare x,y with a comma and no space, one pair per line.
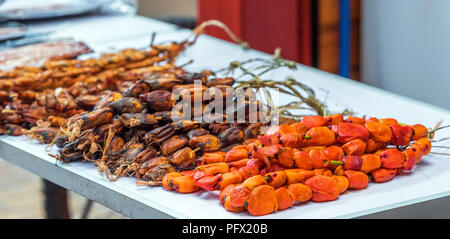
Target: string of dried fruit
388,160
47,110
155,144
280,160
282,188
27,98
65,73
323,142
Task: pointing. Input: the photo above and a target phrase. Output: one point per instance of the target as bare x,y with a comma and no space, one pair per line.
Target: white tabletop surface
429,180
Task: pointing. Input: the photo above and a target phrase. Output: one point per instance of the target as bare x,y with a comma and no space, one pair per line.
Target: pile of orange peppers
318,159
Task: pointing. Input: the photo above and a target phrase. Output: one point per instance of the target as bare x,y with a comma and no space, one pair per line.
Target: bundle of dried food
147,132
58,90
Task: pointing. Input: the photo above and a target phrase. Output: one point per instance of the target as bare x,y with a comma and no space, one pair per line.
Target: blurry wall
163,8
406,48
327,48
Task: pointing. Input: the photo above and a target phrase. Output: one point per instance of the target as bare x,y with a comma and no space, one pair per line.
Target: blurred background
401,46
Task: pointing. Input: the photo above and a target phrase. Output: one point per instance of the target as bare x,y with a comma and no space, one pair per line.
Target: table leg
55,201
87,208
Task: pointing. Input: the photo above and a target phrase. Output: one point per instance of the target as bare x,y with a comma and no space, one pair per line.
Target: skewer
440,153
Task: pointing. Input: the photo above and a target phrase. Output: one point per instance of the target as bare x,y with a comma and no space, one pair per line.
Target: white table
430,179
